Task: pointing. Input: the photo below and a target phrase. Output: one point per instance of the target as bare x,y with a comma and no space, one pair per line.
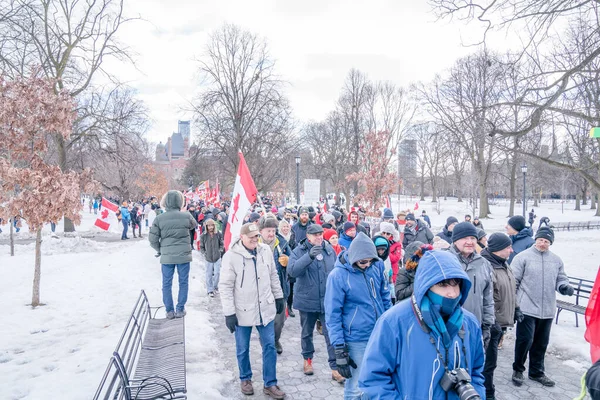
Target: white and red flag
416,206
108,209
244,195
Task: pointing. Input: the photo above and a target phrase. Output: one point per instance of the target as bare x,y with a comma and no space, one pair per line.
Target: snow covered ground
61,350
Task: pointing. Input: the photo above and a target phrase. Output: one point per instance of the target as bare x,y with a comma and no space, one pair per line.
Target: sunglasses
449,282
365,262
386,234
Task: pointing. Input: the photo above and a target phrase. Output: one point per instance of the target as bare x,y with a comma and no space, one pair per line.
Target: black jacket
404,284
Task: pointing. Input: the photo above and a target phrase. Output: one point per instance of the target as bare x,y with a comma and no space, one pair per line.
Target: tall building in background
407,163
171,158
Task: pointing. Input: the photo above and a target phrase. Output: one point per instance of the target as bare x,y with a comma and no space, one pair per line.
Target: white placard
312,191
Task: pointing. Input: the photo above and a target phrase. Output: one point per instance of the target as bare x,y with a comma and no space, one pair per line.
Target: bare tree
69,40
242,107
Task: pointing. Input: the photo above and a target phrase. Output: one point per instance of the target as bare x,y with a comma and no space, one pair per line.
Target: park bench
583,288
149,360
576,226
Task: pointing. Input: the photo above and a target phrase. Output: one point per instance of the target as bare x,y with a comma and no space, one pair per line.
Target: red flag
244,195
107,210
387,202
592,320
325,206
416,206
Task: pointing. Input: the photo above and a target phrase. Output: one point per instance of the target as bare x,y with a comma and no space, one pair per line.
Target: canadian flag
416,206
108,209
244,195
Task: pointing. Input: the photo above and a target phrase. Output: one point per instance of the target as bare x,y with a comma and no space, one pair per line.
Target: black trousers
290,299
491,360
533,335
307,322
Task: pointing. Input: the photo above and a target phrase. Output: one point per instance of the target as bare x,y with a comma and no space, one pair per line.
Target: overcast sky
315,44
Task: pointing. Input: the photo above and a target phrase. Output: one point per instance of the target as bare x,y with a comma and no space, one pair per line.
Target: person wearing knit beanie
332,237
446,233
347,234
498,241
545,233
517,223
463,230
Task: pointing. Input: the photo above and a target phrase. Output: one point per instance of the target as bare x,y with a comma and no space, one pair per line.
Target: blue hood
434,267
525,232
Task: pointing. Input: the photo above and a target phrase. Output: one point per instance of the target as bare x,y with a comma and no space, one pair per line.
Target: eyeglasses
365,262
449,282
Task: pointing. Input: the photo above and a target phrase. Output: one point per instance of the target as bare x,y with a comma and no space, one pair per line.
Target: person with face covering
357,295
251,296
310,263
416,343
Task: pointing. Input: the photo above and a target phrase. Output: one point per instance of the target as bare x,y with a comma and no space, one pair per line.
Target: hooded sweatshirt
170,232
400,362
355,298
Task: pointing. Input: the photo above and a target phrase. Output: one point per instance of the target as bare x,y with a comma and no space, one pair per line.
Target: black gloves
519,317
231,322
315,251
486,334
343,361
280,305
566,290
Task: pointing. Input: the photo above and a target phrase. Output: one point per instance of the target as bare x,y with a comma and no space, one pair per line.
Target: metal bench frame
117,382
583,289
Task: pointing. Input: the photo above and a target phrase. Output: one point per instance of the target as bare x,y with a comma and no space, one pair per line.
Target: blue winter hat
380,241
387,214
348,225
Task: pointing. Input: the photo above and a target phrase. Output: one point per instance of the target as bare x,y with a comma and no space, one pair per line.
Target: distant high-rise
407,159
172,157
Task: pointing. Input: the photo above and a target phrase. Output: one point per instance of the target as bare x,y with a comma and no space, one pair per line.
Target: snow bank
89,289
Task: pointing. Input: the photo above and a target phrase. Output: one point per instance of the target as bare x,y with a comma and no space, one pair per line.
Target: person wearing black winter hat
416,230
481,295
446,233
520,235
539,274
506,311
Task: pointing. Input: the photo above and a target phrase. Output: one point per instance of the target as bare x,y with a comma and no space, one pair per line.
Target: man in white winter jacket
251,296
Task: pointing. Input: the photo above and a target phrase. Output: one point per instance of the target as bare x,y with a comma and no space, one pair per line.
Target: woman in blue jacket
415,343
357,295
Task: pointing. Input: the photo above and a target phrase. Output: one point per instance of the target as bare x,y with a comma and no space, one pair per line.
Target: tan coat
249,290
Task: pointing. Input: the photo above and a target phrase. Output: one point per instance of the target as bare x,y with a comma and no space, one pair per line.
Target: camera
459,380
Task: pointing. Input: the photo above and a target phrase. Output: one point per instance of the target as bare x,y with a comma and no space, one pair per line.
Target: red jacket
395,257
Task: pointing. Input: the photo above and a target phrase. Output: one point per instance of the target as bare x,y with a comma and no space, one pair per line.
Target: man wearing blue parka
357,295
415,343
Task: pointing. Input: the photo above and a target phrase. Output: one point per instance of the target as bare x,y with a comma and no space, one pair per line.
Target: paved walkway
299,386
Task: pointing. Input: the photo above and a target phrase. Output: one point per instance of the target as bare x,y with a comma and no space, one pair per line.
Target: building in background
171,158
407,165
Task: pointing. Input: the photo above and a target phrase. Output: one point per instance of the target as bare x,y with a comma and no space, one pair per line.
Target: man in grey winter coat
481,295
539,274
506,310
212,247
251,296
311,262
170,237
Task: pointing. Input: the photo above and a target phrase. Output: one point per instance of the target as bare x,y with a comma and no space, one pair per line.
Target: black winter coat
404,284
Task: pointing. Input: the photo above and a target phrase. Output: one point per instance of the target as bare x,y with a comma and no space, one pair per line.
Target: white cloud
314,42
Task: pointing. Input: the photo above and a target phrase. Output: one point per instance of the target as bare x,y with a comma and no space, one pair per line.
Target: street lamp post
524,171
297,179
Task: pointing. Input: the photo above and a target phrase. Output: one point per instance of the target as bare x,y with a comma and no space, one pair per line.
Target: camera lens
466,391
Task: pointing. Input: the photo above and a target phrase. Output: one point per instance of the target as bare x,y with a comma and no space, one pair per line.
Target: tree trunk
35,300
433,191
11,237
422,187
584,193
61,148
484,208
597,208
535,201
513,188
592,201
459,187
577,202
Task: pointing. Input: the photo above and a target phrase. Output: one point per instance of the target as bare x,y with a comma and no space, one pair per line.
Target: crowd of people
404,313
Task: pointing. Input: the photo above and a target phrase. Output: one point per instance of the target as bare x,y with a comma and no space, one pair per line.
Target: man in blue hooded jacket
419,341
357,295
520,234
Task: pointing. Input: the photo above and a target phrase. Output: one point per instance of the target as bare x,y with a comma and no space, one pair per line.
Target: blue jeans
267,342
183,271
356,350
213,271
52,227
125,226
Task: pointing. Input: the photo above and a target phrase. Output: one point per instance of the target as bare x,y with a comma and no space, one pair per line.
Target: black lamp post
297,179
524,171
